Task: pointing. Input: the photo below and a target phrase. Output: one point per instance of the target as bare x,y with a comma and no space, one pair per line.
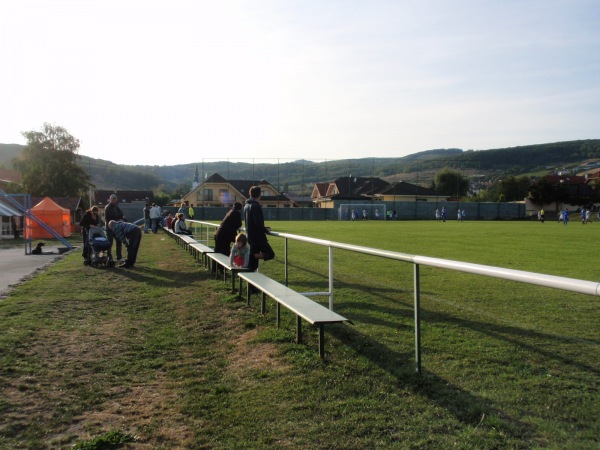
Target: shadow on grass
157,277
514,335
464,406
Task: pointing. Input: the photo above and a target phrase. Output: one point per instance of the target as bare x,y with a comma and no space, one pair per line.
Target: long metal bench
195,248
223,261
302,306
182,239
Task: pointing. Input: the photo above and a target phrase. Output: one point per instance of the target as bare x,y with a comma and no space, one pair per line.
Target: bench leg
278,314
321,340
248,293
298,330
263,304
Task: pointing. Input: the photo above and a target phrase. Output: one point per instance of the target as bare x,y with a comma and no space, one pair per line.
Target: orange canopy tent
53,215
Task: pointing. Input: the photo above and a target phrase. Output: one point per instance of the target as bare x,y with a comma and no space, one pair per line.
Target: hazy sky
170,82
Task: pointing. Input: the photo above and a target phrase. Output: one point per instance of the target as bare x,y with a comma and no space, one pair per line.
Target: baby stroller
98,246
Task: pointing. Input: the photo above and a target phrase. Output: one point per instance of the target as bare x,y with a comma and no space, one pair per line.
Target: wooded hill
299,176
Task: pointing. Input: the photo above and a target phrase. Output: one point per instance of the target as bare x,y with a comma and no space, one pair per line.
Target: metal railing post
285,255
417,319
331,277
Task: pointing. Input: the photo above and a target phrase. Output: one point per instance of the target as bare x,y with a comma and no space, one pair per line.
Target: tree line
49,164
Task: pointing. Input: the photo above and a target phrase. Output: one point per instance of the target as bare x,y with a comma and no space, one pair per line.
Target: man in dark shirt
256,230
113,212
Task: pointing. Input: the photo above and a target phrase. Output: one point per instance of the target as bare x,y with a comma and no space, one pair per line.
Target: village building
216,191
369,189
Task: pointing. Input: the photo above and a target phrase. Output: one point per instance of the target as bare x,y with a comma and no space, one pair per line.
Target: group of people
585,214
247,249
117,229
177,224
355,214
440,216
152,217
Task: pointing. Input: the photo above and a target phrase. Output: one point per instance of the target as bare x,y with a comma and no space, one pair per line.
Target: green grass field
166,357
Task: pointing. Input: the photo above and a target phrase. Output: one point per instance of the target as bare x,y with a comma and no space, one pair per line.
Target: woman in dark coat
89,218
227,231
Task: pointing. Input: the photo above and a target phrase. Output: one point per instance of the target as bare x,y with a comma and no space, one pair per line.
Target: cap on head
113,196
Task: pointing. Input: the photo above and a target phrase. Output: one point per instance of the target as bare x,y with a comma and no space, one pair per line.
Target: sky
181,81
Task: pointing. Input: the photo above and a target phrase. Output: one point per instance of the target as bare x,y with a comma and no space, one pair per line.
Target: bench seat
302,306
223,261
200,251
195,248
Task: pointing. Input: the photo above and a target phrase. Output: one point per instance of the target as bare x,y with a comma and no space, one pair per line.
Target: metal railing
551,281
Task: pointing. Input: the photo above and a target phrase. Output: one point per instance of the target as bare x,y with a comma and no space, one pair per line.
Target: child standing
240,252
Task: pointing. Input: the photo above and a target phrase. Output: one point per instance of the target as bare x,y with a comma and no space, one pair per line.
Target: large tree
48,164
451,182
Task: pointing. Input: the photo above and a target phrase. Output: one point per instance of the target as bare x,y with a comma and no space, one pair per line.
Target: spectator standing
113,212
130,235
146,218
15,230
181,209
227,231
257,232
191,211
155,213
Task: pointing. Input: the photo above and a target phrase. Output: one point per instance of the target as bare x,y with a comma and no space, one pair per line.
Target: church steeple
196,179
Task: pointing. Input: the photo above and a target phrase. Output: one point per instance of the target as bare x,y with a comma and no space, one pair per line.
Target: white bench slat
302,306
223,261
201,247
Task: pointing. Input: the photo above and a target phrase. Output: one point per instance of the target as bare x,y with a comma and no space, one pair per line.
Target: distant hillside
299,176
8,152
103,174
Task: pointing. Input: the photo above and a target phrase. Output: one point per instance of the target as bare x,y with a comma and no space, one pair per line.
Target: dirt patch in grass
74,392
137,410
248,355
